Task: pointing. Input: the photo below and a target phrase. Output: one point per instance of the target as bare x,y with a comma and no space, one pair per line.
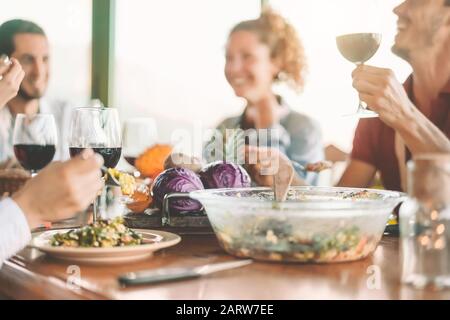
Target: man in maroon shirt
413,118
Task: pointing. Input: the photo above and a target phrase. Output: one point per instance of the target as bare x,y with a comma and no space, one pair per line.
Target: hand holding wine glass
68,186
11,75
383,92
34,140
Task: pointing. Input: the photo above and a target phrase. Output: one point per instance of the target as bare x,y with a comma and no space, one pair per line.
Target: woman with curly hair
260,53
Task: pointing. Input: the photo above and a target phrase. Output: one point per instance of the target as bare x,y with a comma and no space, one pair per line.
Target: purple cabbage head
177,180
224,175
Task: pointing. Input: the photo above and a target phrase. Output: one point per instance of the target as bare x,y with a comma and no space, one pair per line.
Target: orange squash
151,162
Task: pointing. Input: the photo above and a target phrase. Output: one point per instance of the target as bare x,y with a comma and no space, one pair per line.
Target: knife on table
175,274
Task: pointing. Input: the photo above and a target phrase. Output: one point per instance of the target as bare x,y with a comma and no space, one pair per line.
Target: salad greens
103,233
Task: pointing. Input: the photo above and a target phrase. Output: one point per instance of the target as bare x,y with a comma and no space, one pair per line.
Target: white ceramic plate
153,240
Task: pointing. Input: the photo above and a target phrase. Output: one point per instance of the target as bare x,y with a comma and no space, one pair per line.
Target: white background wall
68,26
170,58
329,94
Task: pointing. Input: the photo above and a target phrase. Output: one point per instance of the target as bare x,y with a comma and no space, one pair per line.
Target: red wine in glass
111,156
34,157
34,140
96,128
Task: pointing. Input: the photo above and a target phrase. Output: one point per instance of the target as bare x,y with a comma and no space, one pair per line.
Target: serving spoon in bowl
283,178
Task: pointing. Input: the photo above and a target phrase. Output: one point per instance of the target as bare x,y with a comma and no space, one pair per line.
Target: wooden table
32,275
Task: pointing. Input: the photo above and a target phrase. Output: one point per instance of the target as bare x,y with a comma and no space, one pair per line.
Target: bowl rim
389,198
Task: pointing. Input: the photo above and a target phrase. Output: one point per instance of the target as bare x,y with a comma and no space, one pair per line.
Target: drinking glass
97,129
425,223
34,140
138,135
359,37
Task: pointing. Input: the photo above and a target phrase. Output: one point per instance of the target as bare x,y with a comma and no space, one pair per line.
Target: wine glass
138,135
97,129
34,140
359,38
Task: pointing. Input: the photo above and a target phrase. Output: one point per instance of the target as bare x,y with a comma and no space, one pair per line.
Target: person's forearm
25,203
421,135
14,230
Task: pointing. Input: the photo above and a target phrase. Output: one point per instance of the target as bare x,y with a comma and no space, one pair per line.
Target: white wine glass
359,37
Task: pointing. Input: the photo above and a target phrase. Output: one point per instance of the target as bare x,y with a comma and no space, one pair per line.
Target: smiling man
414,117
27,42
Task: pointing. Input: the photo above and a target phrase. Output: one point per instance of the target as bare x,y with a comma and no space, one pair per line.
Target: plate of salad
103,242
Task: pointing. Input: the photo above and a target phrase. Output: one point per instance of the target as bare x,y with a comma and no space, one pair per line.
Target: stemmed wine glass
98,129
359,38
34,140
138,135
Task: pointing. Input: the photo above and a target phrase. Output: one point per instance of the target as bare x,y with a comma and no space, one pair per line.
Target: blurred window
68,25
328,94
170,56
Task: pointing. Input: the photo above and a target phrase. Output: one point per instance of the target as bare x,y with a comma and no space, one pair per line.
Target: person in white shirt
27,42
59,191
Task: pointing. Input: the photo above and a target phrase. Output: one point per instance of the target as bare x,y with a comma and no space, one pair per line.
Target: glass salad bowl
314,224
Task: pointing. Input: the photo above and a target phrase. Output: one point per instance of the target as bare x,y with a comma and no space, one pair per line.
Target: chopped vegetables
104,233
364,194
140,201
272,239
137,194
126,181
